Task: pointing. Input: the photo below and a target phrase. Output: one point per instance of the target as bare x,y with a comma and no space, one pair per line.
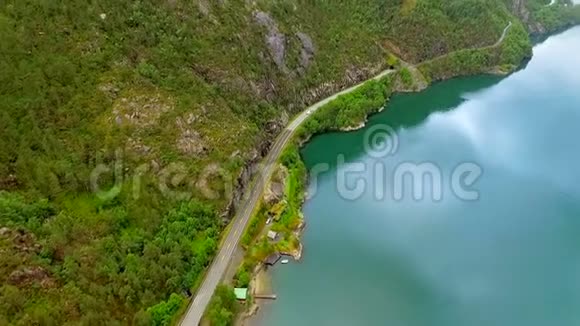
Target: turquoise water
511,257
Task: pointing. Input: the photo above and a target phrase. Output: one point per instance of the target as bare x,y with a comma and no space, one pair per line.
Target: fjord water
512,257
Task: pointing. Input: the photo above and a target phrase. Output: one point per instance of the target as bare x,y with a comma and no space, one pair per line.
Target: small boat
284,261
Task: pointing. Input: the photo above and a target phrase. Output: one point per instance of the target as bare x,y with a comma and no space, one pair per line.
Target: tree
163,313
223,307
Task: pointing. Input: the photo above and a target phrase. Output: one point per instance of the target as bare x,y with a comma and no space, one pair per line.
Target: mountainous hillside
128,129
542,16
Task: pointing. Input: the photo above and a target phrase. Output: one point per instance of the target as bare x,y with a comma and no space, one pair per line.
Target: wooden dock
265,296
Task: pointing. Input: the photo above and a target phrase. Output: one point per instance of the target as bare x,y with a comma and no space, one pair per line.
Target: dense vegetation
349,110
164,100
285,214
406,77
422,30
555,17
103,268
163,313
143,86
223,307
506,56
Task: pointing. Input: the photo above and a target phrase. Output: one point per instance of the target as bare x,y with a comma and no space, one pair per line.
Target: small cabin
241,293
272,259
272,235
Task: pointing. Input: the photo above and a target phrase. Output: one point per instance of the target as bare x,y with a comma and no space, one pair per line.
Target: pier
265,296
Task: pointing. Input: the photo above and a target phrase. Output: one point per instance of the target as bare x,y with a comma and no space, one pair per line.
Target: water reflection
510,258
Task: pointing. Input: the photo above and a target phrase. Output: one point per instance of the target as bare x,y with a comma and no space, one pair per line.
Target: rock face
352,76
275,190
519,8
307,52
22,241
27,276
9,182
275,40
141,111
203,7
277,44
250,169
189,141
274,193
5,231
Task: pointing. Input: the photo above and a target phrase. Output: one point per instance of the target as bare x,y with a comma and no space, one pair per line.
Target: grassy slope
506,56
80,89
553,18
433,28
65,73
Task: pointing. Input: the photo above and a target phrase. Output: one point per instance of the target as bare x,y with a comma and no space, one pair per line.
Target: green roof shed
241,293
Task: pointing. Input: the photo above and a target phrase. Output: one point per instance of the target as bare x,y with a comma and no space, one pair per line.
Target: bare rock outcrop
275,40
5,232
110,90
275,190
352,76
137,146
307,51
274,193
141,111
8,182
22,241
203,6
29,275
251,168
189,141
521,10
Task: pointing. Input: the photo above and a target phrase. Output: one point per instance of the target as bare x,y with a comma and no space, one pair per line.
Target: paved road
238,225
503,35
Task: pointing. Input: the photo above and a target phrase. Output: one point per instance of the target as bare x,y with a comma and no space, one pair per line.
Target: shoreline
293,279
262,276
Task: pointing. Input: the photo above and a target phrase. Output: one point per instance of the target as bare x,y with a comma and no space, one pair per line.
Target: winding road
220,263
494,45
503,35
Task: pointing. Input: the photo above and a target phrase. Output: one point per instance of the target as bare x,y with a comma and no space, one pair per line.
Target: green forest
124,125
506,56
